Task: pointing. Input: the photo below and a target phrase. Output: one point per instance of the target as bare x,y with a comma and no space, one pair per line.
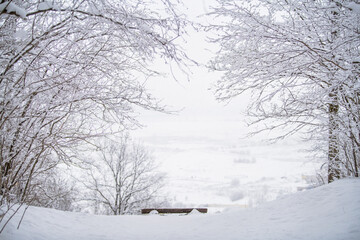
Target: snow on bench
172,210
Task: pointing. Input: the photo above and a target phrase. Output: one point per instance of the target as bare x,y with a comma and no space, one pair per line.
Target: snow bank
330,212
153,212
194,212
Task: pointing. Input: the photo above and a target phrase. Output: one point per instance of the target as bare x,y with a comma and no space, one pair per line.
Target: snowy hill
330,212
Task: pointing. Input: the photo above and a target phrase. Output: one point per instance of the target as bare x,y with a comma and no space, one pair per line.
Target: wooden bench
172,210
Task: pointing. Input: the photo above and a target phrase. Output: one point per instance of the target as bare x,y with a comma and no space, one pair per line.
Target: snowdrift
330,212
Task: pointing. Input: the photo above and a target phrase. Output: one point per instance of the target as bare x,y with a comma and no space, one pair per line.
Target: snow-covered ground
230,175
330,212
211,164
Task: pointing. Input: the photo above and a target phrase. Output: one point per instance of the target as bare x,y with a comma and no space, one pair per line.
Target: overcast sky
192,95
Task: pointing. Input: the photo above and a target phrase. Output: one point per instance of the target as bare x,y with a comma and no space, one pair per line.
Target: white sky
192,94
204,142
201,114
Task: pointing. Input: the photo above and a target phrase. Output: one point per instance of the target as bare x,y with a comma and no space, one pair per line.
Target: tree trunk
333,152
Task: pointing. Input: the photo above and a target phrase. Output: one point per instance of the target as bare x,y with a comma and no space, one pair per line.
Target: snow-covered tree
122,179
69,72
50,189
300,60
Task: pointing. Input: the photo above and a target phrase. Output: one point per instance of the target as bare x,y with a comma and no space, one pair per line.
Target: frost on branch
45,6
300,61
70,74
121,178
12,8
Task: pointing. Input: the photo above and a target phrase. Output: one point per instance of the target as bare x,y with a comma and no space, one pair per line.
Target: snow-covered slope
328,212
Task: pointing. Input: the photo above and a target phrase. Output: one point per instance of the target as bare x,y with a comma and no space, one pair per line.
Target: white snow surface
13,8
330,212
354,6
153,212
44,6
